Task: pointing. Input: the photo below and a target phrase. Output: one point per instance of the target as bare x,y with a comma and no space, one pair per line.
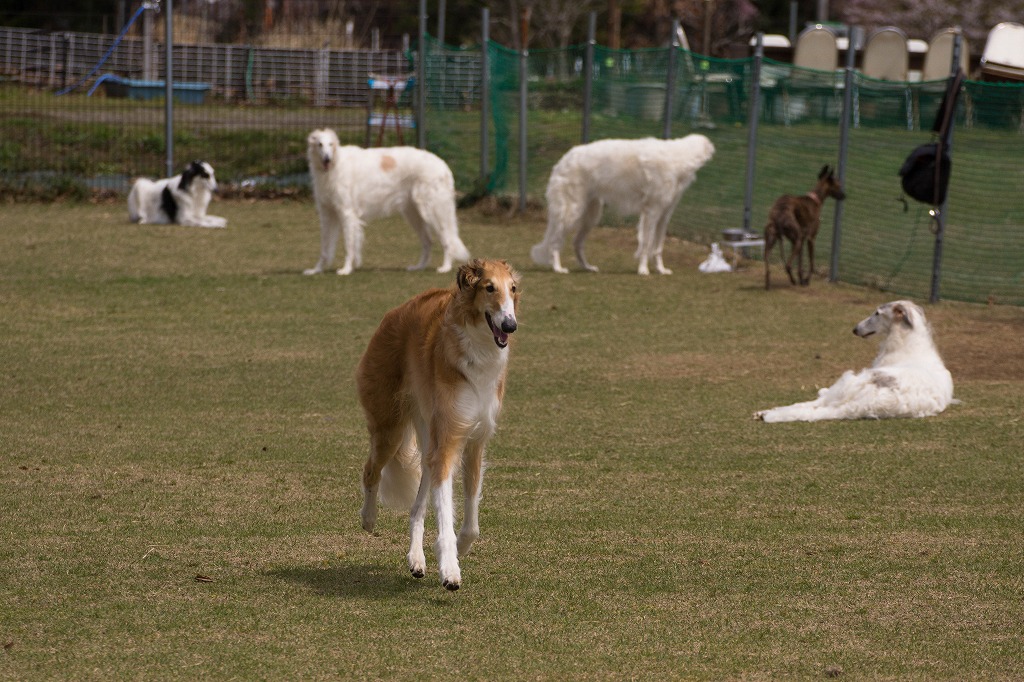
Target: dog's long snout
863,330
326,154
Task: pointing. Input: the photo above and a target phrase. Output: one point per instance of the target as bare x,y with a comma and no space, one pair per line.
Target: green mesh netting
886,243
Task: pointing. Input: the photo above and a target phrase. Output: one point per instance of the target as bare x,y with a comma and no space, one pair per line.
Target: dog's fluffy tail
562,211
800,412
541,253
457,249
436,205
134,213
400,479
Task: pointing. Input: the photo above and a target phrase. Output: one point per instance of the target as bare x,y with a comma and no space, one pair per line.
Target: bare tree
555,21
506,28
727,22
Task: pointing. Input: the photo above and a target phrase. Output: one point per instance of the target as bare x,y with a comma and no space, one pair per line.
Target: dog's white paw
312,271
643,270
759,415
445,268
590,268
466,540
561,271
448,562
417,563
368,514
664,271
347,270
451,577
369,520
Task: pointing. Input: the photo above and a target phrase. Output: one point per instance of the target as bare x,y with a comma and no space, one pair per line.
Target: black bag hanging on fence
918,174
925,173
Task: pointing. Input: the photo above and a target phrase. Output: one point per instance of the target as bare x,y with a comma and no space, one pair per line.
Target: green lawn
76,146
181,449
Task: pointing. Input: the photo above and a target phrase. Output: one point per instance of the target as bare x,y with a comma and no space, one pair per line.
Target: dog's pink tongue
500,336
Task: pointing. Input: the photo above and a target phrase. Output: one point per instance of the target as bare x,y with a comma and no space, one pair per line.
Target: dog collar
816,198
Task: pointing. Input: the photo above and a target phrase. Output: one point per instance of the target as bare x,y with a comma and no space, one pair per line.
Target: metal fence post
523,58
754,119
670,81
321,81
147,45
844,144
588,74
169,85
421,80
945,147
485,90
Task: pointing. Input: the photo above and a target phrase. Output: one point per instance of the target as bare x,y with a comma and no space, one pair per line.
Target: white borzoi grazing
431,384
637,177
182,199
907,378
353,185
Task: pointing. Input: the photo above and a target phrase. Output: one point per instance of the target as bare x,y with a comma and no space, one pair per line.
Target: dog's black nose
508,325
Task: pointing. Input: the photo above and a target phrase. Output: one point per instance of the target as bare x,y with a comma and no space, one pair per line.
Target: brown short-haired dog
797,218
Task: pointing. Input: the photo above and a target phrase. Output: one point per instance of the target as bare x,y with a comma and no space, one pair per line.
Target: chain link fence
260,105
888,240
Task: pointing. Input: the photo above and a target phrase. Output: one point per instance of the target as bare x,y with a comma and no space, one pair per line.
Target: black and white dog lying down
182,199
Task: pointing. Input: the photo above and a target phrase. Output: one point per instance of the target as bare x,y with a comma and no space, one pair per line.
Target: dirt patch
984,350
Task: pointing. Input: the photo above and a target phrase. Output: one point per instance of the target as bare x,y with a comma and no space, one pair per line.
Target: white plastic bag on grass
715,262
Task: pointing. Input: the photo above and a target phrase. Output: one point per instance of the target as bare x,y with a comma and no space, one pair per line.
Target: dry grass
181,446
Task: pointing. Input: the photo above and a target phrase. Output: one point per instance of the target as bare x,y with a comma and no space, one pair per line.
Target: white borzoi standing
182,199
431,384
643,177
907,378
353,185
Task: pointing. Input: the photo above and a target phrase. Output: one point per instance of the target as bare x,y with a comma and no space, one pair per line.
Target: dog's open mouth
500,337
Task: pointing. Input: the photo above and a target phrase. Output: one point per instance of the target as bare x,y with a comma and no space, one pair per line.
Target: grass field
78,146
181,447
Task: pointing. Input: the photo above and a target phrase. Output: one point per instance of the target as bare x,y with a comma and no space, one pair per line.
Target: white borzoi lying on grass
907,378
643,177
431,384
353,185
182,199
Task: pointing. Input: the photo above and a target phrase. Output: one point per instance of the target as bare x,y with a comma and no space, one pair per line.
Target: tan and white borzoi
182,199
353,185
431,384
643,177
907,378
